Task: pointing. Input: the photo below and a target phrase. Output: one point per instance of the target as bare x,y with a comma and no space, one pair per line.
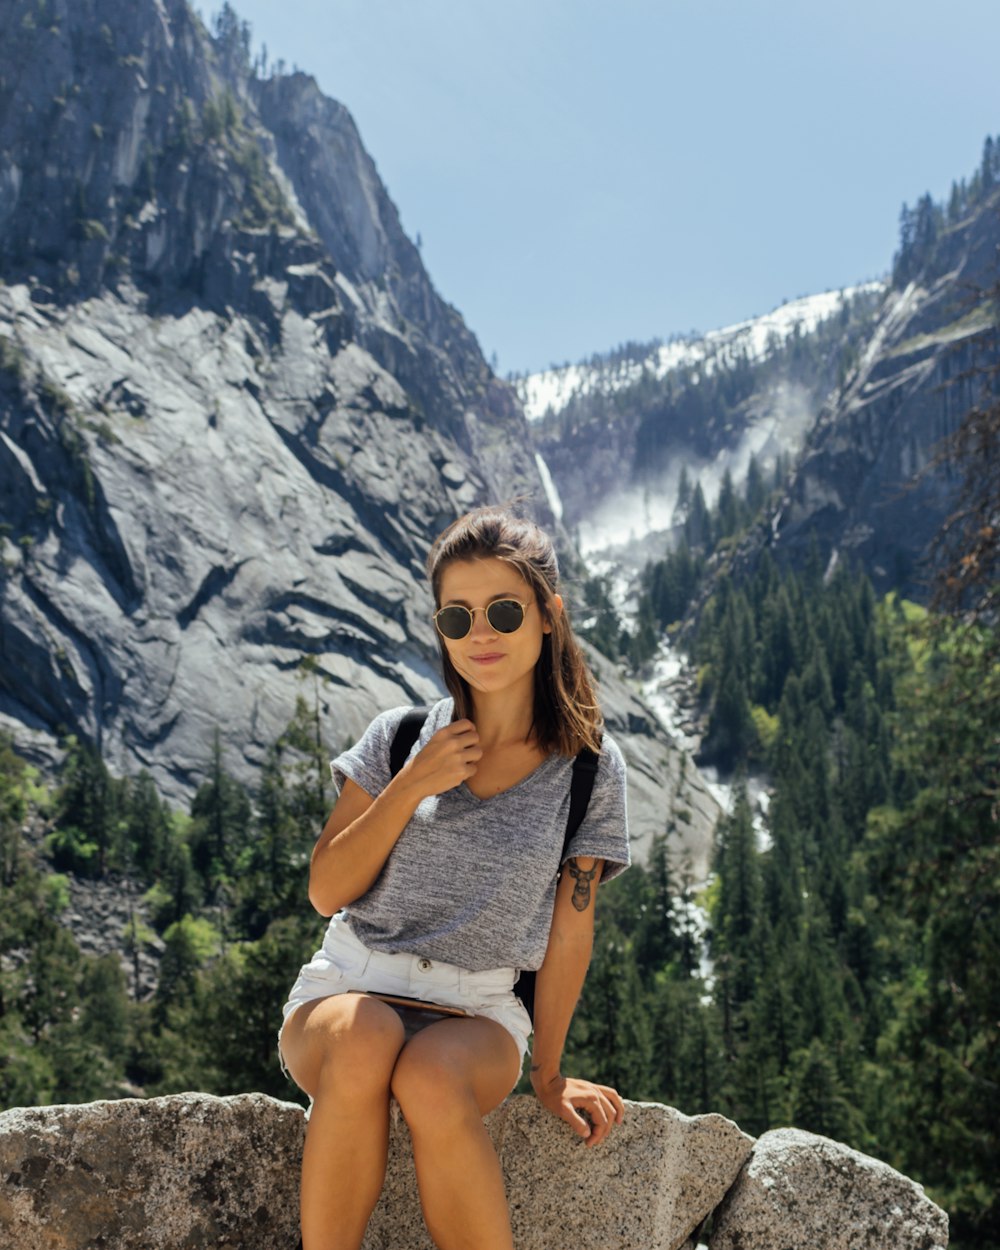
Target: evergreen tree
220,817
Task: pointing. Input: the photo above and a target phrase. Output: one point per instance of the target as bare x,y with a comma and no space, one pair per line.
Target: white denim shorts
343,963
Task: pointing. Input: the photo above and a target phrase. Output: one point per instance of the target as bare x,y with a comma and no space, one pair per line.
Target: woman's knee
348,1046
429,1091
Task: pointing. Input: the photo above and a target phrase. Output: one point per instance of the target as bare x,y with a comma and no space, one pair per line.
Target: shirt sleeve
367,762
603,833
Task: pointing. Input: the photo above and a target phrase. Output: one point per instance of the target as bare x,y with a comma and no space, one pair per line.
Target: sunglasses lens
454,622
505,615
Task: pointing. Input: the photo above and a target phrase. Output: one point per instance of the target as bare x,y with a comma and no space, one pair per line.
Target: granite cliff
233,410
873,484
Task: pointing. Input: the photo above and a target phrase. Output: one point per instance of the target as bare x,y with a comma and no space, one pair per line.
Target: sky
583,174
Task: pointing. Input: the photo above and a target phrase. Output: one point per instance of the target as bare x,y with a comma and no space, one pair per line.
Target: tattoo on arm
583,878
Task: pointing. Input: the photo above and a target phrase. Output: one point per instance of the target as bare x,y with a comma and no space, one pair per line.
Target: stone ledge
193,1171
805,1192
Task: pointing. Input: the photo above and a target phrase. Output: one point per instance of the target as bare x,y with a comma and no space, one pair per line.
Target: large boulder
184,1172
800,1191
647,1187
193,1171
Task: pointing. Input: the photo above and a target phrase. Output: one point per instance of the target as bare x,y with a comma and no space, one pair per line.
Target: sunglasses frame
486,612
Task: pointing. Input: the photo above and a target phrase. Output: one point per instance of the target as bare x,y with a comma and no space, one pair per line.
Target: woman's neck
503,718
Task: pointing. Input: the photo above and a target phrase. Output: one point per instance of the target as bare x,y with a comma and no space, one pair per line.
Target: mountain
617,431
234,411
873,485
859,390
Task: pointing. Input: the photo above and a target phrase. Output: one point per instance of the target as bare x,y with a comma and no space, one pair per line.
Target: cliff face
233,410
870,485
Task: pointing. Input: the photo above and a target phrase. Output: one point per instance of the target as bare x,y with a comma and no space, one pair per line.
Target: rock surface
868,484
234,413
177,1173
800,1191
649,1186
194,1171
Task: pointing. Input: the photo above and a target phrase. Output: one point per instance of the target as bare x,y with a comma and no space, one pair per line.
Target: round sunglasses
505,616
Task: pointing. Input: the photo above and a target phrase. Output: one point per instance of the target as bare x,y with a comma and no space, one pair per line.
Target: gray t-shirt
472,881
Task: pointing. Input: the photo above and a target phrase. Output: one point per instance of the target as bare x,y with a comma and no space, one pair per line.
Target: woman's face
490,661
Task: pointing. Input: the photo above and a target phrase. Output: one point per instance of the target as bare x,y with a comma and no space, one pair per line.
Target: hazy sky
585,173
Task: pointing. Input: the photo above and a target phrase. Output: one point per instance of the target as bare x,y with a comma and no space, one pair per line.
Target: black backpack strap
580,789
407,732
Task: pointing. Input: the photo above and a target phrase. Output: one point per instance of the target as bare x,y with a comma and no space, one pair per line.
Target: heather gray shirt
472,881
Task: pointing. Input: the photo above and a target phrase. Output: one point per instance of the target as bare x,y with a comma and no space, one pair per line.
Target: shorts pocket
341,950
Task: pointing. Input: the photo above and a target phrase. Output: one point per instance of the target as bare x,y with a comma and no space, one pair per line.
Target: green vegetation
226,891
853,951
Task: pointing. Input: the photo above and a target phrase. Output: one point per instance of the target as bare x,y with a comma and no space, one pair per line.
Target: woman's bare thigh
347,1037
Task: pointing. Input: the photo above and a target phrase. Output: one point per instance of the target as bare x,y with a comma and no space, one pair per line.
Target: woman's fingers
591,1110
615,1099
449,757
594,1112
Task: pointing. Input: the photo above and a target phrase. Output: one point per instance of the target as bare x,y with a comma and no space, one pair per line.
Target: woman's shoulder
610,759
368,762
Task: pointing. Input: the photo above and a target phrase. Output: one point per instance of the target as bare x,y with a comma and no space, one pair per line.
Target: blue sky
585,173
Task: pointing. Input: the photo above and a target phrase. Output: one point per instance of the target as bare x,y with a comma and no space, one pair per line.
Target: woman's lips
489,658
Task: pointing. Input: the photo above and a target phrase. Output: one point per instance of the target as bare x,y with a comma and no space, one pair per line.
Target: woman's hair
566,715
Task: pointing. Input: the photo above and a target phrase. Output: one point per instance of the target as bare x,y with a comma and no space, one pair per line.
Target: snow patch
551,390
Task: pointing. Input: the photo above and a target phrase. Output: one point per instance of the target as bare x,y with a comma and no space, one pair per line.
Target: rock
196,1171
649,1186
187,1171
800,1191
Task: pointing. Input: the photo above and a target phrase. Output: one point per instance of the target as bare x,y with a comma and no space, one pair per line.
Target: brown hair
566,715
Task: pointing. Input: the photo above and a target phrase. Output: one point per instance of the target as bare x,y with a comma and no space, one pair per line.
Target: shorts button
424,965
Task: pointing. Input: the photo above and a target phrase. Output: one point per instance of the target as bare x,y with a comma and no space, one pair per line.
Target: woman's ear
555,606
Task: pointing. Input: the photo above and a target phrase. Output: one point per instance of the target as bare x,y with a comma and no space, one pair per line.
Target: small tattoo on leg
583,878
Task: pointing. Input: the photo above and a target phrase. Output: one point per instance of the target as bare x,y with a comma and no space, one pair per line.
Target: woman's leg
445,1080
342,1051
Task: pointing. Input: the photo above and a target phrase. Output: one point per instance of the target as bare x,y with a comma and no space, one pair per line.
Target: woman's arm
557,989
362,830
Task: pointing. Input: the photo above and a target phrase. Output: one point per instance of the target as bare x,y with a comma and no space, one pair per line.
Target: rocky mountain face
872,485
860,396
233,411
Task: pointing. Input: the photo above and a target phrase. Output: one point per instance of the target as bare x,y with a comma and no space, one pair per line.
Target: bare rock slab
193,1171
800,1191
646,1187
177,1173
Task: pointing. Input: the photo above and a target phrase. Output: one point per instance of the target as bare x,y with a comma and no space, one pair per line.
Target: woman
443,881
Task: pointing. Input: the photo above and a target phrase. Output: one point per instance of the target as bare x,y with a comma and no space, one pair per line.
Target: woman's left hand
591,1110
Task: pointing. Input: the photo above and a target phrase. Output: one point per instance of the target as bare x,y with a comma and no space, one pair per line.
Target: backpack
581,786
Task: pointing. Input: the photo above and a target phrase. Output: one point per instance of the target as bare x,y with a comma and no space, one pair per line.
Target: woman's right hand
448,759
362,830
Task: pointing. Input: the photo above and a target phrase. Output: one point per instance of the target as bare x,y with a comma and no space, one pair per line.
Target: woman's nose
481,627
